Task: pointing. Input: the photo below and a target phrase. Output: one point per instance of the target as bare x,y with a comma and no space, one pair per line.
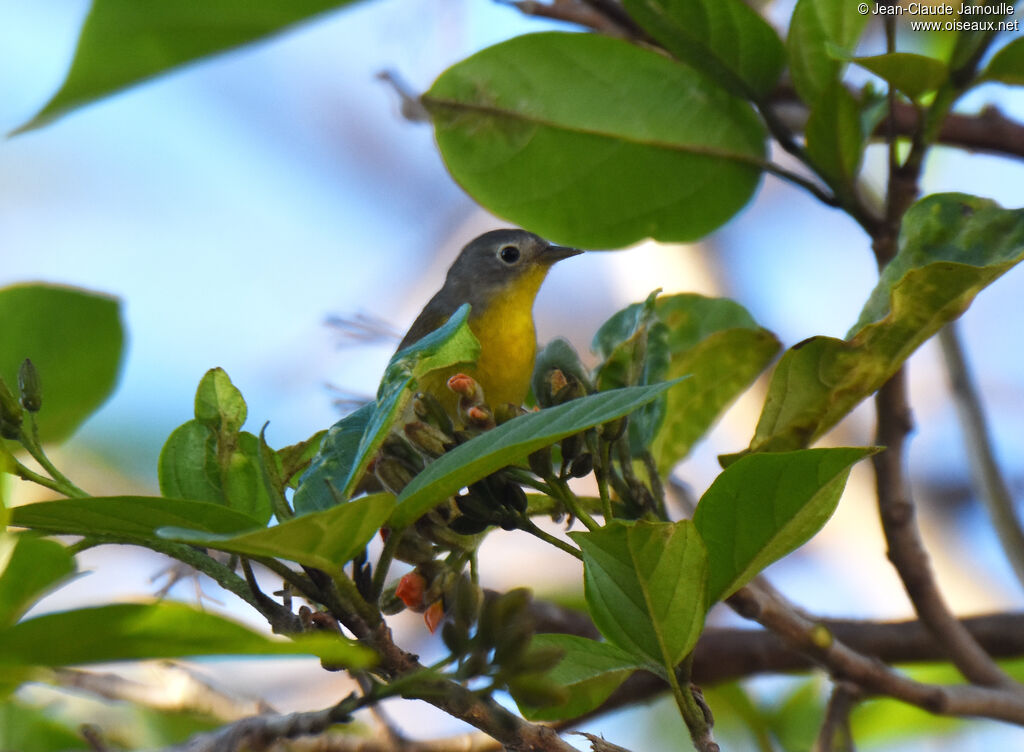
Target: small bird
498,274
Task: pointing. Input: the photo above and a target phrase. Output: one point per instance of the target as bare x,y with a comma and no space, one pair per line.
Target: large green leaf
816,30
130,517
646,585
29,567
951,246
75,340
589,671
766,505
132,631
725,39
124,42
722,349
326,540
353,441
510,443
594,141
1007,66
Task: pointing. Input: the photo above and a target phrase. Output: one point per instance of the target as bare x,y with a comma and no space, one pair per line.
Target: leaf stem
30,440
527,525
383,565
694,716
560,490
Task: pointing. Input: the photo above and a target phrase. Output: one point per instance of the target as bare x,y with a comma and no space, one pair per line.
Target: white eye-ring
509,254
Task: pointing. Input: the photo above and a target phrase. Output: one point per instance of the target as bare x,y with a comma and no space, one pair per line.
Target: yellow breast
508,346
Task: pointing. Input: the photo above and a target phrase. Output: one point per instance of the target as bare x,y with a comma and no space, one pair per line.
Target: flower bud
582,466
428,438
410,590
28,384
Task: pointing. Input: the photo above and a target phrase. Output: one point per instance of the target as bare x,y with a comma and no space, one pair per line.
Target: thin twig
992,487
835,734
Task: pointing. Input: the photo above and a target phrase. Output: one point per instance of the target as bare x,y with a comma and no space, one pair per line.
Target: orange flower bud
433,616
410,590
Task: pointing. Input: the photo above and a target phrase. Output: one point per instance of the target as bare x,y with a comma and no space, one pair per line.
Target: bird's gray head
494,260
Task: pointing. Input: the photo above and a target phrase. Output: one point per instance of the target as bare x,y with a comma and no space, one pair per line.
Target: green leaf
211,459
645,585
835,141
724,39
29,568
353,441
129,517
510,443
594,141
219,405
1007,66
123,43
75,340
25,727
245,488
816,29
634,346
951,246
333,462
589,670
914,75
766,505
188,467
722,349
326,540
131,631
295,458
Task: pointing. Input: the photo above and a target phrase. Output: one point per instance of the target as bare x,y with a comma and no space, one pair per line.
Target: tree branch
991,486
906,549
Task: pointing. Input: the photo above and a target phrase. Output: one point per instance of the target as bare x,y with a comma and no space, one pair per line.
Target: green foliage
25,727
29,567
326,540
766,505
951,246
353,441
123,43
724,39
132,517
510,443
663,154
588,670
131,631
75,340
817,30
1007,66
645,585
211,459
721,350
586,139
914,75
835,139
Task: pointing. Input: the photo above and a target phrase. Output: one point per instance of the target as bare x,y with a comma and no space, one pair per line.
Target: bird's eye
509,254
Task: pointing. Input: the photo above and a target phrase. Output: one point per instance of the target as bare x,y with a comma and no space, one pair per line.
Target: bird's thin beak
555,253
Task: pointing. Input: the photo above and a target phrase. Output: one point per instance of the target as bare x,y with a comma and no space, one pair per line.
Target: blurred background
237,205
